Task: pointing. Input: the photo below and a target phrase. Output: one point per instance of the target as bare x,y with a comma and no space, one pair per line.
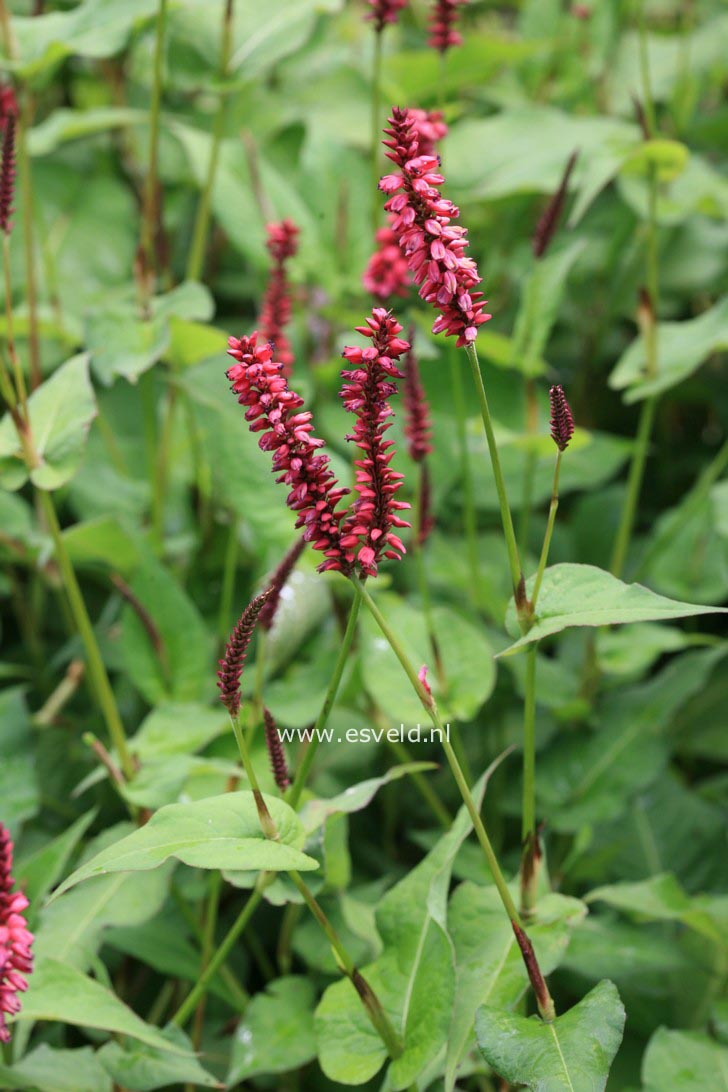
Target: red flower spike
562,420
384,12
366,534
275,313
16,960
433,245
7,174
236,652
277,583
276,753
277,412
549,219
387,273
8,105
443,18
426,522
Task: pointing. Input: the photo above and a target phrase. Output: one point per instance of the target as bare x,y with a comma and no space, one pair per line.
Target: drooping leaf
686,1061
315,812
219,832
572,1054
61,411
582,595
141,1067
659,898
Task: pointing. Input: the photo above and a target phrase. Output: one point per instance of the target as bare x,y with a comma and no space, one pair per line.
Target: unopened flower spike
236,651
443,20
275,312
367,534
549,220
277,583
275,411
384,12
562,421
275,751
7,174
435,247
417,426
16,960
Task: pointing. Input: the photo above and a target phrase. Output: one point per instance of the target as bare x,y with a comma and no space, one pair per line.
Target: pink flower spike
422,676
435,247
366,534
16,961
443,18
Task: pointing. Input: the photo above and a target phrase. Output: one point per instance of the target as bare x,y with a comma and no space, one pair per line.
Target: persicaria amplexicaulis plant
562,421
7,172
236,651
275,313
16,961
275,751
418,431
443,21
549,220
435,247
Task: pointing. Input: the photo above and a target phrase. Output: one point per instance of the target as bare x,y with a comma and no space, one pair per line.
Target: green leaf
682,348
61,411
64,125
582,595
60,993
219,832
315,812
121,344
540,301
140,1067
414,977
490,969
46,1069
102,541
18,777
39,872
659,898
276,1033
684,1061
573,1054
176,728
177,664
668,157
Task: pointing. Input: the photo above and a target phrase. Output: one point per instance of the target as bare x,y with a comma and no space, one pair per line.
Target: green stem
505,511
294,793
97,670
161,464
376,134
649,102
470,522
422,582
634,485
20,388
31,283
149,202
196,256
553,508
190,1003
528,827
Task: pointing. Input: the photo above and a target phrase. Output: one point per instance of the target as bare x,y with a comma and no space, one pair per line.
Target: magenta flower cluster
16,961
384,12
275,312
434,246
367,389
277,412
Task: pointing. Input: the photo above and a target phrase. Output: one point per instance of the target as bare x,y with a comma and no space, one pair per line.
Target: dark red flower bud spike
549,220
443,20
236,652
275,751
562,421
384,12
562,429
278,581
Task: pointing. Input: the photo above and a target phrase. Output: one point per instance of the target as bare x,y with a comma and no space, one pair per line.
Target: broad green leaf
414,977
686,555
140,1067
47,1069
39,872
315,812
178,728
681,348
490,969
177,664
276,1033
61,411
220,832
62,994
102,541
540,301
633,649
466,655
582,595
72,929
572,1054
19,790
95,28
172,779
685,1061
122,344
660,898
64,125
191,342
